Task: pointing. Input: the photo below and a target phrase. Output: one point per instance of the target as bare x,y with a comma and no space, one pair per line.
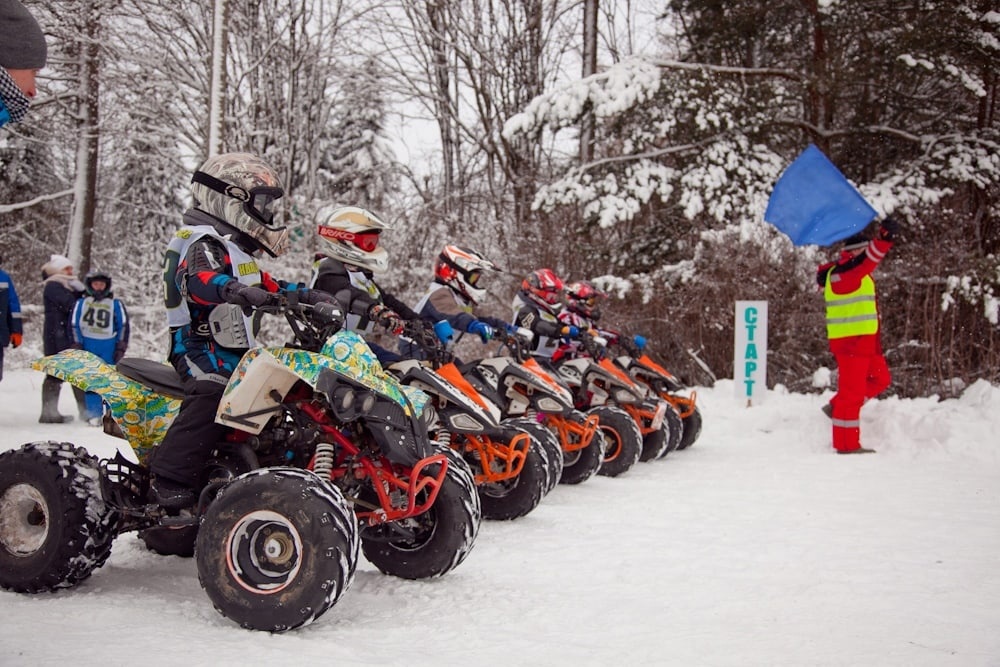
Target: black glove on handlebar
247,295
327,312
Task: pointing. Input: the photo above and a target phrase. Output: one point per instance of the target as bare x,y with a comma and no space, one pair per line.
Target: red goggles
366,241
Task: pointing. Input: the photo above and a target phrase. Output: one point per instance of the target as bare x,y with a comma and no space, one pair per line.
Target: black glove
313,297
887,231
327,312
247,295
387,318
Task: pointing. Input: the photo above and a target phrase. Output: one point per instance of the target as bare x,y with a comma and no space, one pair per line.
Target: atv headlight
366,402
549,404
625,396
342,402
463,423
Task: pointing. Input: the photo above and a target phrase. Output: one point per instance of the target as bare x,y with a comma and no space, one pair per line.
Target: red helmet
544,286
582,298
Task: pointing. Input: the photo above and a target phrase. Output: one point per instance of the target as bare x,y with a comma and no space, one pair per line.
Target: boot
81,403
50,402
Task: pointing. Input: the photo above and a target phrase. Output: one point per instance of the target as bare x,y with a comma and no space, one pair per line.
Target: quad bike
664,384
541,404
635,424
511,468
324,451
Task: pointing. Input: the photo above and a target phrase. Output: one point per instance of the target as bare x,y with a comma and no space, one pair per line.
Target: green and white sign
750,351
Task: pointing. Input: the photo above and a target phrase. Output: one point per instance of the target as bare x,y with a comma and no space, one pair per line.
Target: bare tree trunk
216,95
85,197
819,109
589,67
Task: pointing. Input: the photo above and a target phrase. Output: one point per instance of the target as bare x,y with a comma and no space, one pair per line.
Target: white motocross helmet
241,189
461,269
351,235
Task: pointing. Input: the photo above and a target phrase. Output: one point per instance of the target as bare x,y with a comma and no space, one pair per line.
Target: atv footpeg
124,485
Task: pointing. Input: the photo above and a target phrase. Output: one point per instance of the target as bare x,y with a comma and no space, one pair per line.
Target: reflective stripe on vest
853,314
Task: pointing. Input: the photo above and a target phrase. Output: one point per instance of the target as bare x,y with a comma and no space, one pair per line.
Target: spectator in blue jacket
100,326
10,316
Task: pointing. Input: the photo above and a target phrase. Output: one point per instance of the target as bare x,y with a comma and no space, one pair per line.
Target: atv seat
161,378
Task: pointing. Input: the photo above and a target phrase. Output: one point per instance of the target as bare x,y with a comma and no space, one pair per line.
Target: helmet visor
367,241
261,206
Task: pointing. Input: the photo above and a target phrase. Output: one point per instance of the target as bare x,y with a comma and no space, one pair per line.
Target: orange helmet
461,269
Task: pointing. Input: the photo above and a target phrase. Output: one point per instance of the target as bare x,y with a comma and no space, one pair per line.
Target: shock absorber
444,439
323,462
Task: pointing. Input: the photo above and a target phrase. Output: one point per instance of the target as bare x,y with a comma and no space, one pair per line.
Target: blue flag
814,204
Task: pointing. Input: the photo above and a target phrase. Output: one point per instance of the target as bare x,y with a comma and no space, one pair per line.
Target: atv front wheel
55,528
513,498
672,421
655,443
437,541
277,548
622,438
692,429
549,442
582,464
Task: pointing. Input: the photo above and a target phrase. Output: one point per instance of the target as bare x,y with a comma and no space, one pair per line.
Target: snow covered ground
757,546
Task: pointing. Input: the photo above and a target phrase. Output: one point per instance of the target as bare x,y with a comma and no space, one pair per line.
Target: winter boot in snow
81,403
50,402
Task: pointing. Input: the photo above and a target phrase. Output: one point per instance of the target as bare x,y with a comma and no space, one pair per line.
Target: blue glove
444,331
570,331
484,330
640,341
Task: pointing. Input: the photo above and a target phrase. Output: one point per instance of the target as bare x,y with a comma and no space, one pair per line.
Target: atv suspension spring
323,461
445,439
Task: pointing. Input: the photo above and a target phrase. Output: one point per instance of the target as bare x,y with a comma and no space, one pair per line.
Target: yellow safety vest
853,314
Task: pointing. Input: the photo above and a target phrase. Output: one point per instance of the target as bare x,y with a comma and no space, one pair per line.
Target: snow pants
192,436
860,377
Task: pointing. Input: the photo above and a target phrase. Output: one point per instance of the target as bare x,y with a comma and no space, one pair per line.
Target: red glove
15,340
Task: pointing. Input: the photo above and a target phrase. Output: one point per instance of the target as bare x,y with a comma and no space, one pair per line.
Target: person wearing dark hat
854,331
22,54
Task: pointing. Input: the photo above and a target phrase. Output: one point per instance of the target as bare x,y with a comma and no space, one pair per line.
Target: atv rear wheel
277,548
170,541
692,429
623,440
549,442
435,542
55,528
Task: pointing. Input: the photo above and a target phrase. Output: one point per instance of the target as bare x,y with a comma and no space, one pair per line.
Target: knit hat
56,264
856,242
22,44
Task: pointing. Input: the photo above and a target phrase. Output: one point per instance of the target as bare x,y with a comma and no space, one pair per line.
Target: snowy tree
359,166
901,98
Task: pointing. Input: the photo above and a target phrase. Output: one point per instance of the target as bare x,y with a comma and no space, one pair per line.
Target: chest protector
361,323
854,314
246,272
544,345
